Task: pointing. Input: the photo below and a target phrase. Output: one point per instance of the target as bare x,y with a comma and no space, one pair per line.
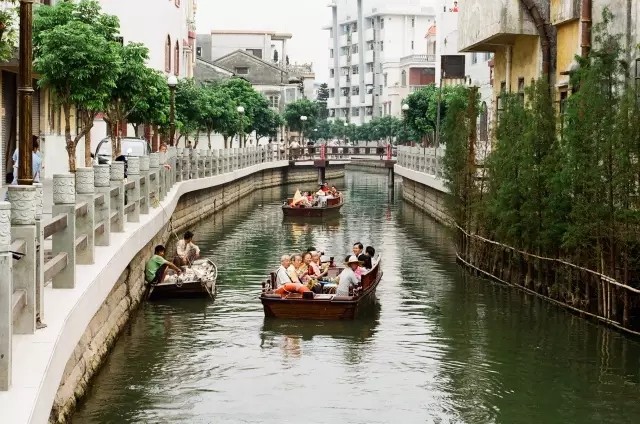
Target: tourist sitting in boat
292,270
347,278
156,267
325,187
370,252
287,281
186,250
316,267
300,200
358,251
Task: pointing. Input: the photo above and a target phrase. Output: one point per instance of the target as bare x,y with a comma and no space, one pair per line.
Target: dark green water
439,347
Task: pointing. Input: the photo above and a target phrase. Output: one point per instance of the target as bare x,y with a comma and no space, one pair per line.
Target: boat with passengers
325,305
326,202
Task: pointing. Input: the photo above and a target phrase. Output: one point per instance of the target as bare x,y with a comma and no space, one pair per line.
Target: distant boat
332,207
197,280
321,306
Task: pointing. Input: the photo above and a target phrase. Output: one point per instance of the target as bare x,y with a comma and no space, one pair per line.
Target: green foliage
8,30
323,96
78,60
153,106
295,110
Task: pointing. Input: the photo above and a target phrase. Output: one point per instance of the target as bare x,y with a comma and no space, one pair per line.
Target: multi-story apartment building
541,39
371,38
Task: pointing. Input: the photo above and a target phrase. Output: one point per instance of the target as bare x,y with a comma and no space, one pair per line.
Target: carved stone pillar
85,223
144,185
6,292
64,241
102,213
116,177
133,193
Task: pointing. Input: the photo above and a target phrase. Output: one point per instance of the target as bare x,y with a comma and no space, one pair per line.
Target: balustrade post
195,164
23,227
186,164
39,256
86,225
173,174
102,213
64,240
144,185
116,177
133,193
6,292
179,164
154,180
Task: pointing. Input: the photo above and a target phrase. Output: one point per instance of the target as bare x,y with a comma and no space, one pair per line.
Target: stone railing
87,208
428,161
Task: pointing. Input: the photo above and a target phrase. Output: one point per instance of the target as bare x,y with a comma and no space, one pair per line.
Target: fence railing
87,208
420,159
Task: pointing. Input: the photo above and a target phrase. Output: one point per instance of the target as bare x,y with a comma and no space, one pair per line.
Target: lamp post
405,109
303,119
346,124
25,93
172,82
240,110
437,143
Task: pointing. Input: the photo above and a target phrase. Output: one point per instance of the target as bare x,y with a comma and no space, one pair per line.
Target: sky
302,18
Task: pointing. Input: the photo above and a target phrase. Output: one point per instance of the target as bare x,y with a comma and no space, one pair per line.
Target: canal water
438,347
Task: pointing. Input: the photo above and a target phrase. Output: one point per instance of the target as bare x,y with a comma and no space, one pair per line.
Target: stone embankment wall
428,199
369,165
129,290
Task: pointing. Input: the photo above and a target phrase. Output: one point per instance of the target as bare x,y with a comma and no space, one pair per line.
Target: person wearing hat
347,277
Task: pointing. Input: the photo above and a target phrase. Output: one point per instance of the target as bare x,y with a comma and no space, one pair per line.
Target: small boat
333,206
321,306
197,280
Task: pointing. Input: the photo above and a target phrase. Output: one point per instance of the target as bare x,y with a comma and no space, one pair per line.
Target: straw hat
352,260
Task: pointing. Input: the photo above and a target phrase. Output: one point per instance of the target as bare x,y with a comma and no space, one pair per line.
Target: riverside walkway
65,242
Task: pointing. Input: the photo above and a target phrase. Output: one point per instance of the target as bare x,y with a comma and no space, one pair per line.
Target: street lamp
172,82
25,93
240,110
303,118
346,124
405,109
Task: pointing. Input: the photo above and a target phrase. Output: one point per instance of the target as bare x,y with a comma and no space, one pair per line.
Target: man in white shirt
186,250
282,277
347,277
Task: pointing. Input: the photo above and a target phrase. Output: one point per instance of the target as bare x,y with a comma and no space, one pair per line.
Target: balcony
343,101
355,79
368,100
354,38
484,24
343,61
355,100
419,59
345,81
368,34
563,11
368,56
342,40
331,102
368,78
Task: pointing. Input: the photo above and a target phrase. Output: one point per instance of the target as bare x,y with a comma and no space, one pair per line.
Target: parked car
129,146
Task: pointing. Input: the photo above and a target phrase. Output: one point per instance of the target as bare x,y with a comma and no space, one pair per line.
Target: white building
266,45
371,41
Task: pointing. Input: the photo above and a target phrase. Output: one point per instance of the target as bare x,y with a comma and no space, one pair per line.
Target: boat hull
332,208
187,289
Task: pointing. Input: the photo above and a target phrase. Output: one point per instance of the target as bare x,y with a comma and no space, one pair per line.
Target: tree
323,96
267,122
295,110
189,114
153,106
8,34
216,108
130,91
77,58
323,133
243,94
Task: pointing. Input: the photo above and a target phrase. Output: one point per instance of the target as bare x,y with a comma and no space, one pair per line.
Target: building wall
259,73
223,44
525,63
568,36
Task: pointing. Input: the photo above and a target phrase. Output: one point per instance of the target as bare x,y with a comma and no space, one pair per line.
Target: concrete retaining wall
369,165
129,289
425,192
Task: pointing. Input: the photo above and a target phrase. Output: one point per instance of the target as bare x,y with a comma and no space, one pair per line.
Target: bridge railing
427,160
339,152
87,207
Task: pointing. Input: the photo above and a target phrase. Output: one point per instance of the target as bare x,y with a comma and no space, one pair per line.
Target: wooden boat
321,306
197,280
333,206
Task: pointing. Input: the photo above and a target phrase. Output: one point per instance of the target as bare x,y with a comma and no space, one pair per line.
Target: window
332,73
355,70
369,89
474,58
354,48
483,129
332,93
403,79
255,52
331,53
382,23
487,56
176,60
412,44
354,28
385,79
345,91
371,45
355,91
344,51
198,51
413,22
167,54
369,67
355,111
369,110
274,101
382,46
241,70
521,90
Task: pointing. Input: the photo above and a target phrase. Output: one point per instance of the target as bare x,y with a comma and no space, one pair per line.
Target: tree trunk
87,141
136,128
197,139
209,139
71,146
226,139
115,149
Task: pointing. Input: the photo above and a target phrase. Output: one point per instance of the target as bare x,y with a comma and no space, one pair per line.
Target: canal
438,347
